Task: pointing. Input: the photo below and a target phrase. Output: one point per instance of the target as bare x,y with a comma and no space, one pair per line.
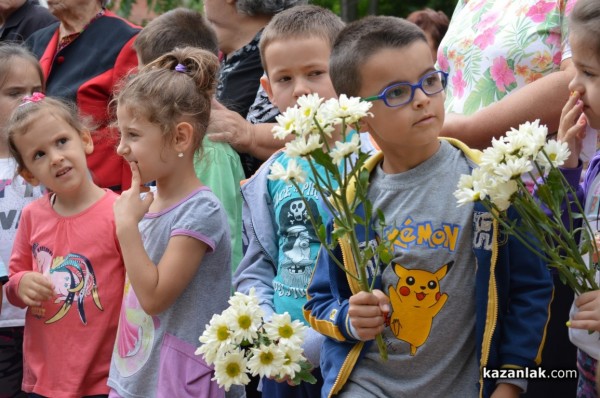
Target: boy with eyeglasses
460,297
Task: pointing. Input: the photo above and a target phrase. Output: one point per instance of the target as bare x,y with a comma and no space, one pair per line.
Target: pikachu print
416,300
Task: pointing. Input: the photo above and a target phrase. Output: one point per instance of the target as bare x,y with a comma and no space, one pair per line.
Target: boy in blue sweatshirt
459,296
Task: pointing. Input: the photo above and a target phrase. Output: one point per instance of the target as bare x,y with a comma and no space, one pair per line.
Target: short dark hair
300,22
180,27
585,18
361,39
433,22
265,7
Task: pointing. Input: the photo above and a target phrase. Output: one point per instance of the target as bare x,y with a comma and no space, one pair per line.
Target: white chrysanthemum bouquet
240,343
336,168
549,220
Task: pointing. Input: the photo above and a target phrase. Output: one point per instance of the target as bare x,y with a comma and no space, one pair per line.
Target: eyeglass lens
402,93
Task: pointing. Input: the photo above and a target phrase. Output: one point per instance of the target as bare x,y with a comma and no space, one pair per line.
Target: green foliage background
355,8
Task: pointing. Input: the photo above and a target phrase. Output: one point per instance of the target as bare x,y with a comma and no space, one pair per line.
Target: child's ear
266,85
26,174
184,136
88,143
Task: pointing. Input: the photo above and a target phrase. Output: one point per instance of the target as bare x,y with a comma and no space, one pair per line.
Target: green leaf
338,233
304,375
322,233
385,255
484,93
324,160
545,195
358,219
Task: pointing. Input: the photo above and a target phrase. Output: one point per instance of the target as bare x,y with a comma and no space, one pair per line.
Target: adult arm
542,99
245,137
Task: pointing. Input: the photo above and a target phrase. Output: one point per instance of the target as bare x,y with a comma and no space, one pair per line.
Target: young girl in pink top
66,265
175,240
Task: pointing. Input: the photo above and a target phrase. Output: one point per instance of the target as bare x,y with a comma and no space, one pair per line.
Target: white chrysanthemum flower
494,155
303,146
514,167
466,195
231,369
343,149
266,360
475,186
291,364
483,182
282,329
309,105
531,137
287,123
293,172
502,193
325,125
277,172
465,192
244,323
518,145
243,300
215,338
557,151
351,109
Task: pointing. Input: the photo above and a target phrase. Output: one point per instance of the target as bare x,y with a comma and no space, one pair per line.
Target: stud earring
180,154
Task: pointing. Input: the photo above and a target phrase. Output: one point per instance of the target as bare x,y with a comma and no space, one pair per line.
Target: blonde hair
304,21
176,87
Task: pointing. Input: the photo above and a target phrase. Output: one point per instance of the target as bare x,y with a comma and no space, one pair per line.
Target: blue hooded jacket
513,294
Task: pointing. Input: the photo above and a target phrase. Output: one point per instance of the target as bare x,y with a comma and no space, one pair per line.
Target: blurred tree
349,10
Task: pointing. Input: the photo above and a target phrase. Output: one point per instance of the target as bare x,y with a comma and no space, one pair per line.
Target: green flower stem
557,246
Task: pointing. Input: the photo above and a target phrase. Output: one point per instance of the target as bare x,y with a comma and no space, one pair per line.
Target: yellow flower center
286,331
244,321
266,358
288,360
222,333
552,157
233,369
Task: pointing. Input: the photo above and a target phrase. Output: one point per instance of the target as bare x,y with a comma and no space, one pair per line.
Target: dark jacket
29,18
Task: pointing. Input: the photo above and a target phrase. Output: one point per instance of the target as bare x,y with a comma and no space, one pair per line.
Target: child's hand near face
35,288
367,313
129,208
572,128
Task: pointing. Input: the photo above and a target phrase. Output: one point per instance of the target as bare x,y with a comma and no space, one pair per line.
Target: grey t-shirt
154,355
431,285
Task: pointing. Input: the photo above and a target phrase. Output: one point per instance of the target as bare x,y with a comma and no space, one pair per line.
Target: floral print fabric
493,47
